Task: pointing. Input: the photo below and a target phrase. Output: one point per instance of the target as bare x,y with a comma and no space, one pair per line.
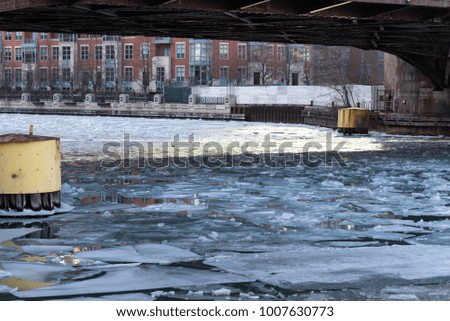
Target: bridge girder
417,31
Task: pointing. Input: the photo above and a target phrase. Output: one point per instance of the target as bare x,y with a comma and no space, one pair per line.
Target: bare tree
262,63
330,67
144,75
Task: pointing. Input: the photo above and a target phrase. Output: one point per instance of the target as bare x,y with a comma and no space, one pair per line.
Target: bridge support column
411,91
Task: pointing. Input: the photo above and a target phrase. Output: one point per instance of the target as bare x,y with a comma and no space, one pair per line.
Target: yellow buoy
353,120
30,172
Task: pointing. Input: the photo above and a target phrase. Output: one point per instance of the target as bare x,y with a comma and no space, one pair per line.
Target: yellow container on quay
29,164
353,120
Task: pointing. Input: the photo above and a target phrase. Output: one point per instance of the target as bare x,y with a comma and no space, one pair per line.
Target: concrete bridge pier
411,91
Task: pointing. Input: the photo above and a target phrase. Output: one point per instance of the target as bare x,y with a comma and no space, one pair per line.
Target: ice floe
141,253
136,279
9,234
309,267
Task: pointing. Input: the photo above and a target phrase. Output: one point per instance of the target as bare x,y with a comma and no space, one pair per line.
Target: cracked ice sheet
9,234
34,271
318,266
46,249
141,253
139,278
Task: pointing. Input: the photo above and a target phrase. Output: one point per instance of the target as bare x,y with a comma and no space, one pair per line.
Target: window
145,51
160,74
200,52
98,52
43,53
128,74
19,35
43,35
224,72
8,35
85,78
166,52
109,74
55,74
43,76
242,52
200,75
29,55
270,52
64,37
128,52
261,52
8,76
98,78
18,76
84,52
66,74
281,73
180,71
65,53
110,52
224,52
110,38
180,50
242,73
8,53
55,53
281,53
18,56
296,55
110,77
269,74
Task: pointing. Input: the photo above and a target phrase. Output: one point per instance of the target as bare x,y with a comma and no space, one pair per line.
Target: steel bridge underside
417,31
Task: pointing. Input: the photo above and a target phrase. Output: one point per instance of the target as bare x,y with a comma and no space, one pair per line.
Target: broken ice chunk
136,279
141,253
9,234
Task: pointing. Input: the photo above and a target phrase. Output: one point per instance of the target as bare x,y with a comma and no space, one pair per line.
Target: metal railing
210,100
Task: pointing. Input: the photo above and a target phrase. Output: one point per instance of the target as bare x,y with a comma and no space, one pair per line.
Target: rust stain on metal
22,138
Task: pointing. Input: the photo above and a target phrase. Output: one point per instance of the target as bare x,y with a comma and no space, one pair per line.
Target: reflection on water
139,200
134,180
46,232
344,225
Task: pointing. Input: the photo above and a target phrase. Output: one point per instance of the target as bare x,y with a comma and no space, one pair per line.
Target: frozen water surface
251,227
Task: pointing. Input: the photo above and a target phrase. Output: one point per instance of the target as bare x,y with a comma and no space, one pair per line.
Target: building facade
345,65
139,64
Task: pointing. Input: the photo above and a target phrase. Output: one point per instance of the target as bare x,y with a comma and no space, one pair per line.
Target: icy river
199,210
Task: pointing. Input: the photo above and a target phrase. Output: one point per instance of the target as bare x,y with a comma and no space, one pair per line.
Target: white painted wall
282,95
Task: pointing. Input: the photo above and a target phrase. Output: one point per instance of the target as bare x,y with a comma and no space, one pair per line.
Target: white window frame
42,56
244,56
128,51
180,54
84,55
66,55
9,51
224,51
18,57
177,74
227,68
125,74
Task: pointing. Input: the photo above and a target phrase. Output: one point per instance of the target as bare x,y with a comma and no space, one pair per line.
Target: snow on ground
374,228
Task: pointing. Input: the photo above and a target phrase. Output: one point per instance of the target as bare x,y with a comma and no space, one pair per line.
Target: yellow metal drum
353,120
29,164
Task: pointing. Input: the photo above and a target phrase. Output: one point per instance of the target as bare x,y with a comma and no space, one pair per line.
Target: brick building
345,65
91,63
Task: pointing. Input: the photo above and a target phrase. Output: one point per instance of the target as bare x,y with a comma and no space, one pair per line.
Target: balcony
162,40
29,43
